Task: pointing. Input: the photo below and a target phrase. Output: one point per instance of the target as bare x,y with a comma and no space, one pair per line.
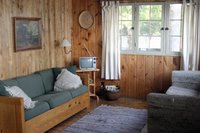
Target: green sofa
39,86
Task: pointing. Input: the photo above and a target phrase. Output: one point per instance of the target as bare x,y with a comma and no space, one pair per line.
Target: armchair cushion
186,79
173,90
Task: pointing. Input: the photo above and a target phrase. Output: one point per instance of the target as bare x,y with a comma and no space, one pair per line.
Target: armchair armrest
11,115
173,114
186,79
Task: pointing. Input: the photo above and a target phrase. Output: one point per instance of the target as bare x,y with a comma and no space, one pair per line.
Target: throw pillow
17,92
67,80
57,70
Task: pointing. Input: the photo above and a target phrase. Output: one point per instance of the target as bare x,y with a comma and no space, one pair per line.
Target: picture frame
27,33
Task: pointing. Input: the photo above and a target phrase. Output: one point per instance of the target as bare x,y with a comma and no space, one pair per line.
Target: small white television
87,63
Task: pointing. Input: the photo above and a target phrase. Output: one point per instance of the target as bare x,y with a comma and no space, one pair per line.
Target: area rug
110,119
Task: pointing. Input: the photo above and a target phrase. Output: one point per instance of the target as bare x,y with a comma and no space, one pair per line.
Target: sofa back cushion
3,91
58,70
32,85
47,79
9,82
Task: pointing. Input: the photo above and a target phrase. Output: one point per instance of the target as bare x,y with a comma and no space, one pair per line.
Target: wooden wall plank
158,73
149,74
124,82
52,16
132,75
140,79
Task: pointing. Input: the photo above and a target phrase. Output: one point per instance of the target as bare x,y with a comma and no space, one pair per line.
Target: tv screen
87,63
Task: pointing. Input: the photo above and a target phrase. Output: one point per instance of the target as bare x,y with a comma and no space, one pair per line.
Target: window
150,28
150,22
126,22
175,30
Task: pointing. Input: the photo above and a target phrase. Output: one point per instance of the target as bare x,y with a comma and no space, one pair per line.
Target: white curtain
191,31
110,38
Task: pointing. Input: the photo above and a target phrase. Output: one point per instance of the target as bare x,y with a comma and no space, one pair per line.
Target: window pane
125,13
156,12
144,12
126,42
143,43
175,28
149,43
175,44
144,28
175,11
155,43
150,28
155,27
125,28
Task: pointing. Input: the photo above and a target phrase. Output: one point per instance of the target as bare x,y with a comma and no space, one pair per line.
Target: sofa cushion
47,79
32,85
57,70
3,91
10,82
15,91
54,98
173,90
39,108
77,92
72,69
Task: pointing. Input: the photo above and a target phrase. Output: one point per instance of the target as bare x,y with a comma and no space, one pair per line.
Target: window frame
133,31
167,36
165,47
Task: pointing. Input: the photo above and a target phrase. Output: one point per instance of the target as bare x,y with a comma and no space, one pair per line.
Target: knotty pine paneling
91,37
140,74
56,18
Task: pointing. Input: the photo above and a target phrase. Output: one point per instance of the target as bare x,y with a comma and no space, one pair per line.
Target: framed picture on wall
27,33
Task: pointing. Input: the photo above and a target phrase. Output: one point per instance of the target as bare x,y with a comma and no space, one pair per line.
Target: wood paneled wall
140,74
91,37
56,18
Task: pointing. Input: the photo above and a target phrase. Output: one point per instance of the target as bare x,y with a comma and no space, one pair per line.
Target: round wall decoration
86,19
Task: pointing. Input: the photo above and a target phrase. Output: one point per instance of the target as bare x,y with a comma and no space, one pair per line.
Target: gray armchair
178,110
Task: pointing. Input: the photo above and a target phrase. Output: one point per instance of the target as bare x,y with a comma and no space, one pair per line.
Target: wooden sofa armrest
11,115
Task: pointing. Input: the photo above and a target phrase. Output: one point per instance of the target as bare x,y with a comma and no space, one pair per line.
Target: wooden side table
90,81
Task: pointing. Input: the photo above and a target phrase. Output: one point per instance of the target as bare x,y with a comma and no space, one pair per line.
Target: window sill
151,53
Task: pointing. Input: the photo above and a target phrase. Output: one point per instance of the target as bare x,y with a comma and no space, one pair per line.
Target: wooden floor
126,102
